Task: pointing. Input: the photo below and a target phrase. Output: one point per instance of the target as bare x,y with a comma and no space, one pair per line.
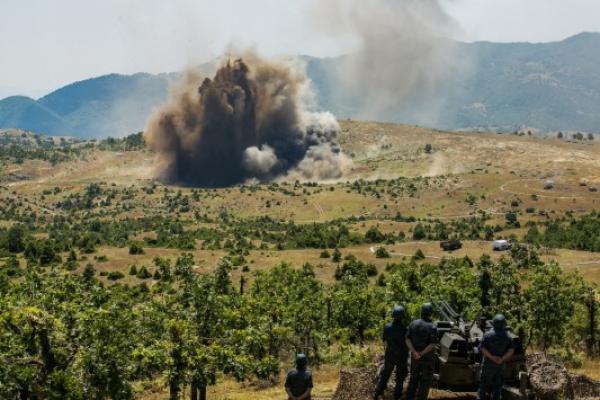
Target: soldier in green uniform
496,347
396,354
421,339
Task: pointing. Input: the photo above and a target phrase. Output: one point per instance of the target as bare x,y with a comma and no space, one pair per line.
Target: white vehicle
501,245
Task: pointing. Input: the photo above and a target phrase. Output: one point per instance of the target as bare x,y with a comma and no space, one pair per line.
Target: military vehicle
451,245
459,358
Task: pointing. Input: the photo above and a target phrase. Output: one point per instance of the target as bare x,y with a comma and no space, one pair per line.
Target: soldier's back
394,334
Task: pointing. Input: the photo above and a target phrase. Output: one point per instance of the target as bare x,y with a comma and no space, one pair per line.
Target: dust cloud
250,122
405,55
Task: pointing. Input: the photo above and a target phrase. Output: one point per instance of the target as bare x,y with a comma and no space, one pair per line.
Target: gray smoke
250,122
259,161
404,55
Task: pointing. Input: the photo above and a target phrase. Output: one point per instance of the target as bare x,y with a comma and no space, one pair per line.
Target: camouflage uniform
396,354
421,332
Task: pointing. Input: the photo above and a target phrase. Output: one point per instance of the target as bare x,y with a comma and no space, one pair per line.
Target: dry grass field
493,169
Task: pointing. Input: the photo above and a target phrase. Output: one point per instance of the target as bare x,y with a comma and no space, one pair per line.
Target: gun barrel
449,310
442,311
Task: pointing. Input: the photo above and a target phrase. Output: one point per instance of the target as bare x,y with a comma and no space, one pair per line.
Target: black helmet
426,310
301,361
499,322
398,312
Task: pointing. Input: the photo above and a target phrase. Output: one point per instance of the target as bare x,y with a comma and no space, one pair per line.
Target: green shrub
115,275
381,252
136,249
419,255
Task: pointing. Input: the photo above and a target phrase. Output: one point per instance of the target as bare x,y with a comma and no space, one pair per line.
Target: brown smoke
248,122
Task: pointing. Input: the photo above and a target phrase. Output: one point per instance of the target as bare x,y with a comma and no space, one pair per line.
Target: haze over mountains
549,86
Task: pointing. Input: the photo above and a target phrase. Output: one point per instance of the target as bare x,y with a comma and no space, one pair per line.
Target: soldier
497,347
421,340
298,383
396,354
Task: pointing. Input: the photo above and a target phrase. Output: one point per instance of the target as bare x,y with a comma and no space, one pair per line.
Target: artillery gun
459,358
535,377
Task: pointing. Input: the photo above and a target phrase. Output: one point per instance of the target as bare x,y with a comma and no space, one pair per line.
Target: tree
592,309
512,219
337,255
485,284
381,252
419,232
373,235
88,273
15,239
356,308
551,299
72,263
136,249
48,254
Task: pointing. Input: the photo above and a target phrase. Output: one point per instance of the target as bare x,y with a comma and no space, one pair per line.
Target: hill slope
550,86
26,113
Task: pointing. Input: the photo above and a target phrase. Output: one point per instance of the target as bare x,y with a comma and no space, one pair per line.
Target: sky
45,44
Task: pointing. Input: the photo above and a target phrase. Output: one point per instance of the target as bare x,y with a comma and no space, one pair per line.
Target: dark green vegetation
560,81
578,234
68,336
72,335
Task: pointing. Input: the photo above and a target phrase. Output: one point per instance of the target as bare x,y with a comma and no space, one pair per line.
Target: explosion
247,123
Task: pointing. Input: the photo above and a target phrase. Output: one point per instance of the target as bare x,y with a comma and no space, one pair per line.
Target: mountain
551,86
108,105
26,113
548,86
506,86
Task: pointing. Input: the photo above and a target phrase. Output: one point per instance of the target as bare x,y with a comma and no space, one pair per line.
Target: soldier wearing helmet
421,340
298,383
396,354
497,347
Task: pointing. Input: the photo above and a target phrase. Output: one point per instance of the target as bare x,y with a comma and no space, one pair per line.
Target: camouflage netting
550,380
359,384
585,388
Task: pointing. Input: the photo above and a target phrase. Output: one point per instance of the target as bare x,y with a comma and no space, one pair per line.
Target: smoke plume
404,59
249,122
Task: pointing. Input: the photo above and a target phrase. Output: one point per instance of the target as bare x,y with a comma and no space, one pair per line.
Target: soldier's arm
432,342
287,388
428,349
306,394
289,393
410,346
508,355
490,356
